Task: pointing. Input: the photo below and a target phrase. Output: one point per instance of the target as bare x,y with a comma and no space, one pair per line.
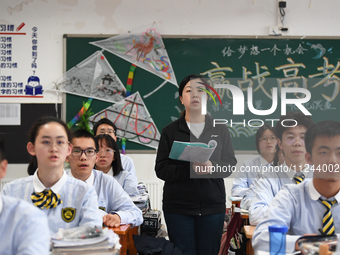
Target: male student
106,126
290,132
313,206
23,227
112,199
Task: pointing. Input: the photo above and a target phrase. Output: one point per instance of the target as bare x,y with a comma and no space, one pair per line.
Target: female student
109,162
265,141
66,201
194,197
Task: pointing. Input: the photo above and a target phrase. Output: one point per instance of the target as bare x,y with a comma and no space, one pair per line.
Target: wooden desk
125,233
245,217
249,231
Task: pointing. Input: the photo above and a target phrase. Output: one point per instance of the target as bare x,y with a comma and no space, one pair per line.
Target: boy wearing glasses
117,207
106,126
311,207
290,132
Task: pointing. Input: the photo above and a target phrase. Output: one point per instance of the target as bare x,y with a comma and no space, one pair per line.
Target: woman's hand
202,168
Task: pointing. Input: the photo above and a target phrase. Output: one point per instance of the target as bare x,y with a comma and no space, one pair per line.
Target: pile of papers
143,200
85,240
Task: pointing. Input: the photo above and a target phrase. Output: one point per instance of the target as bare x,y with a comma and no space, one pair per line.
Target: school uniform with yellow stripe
70,202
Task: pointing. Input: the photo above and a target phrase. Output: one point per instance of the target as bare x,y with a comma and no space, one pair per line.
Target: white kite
133,121
145,48
92,78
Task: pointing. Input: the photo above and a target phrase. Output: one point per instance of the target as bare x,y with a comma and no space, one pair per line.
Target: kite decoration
133,121
84,109
130,79
94,78
145,48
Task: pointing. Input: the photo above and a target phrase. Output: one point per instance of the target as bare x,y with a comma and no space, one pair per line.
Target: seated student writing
265,141
117,206
23,227
106,126
109,162
294,170
67,202
311,207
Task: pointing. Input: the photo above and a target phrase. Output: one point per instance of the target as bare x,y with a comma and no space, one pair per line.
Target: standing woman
109,162
66,201
194,201
265,141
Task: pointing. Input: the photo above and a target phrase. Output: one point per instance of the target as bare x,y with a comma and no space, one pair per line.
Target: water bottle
277,239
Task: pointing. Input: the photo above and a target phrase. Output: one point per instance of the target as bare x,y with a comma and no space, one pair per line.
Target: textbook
85,240
193,152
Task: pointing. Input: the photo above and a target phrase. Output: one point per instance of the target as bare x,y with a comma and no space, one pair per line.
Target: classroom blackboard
261,63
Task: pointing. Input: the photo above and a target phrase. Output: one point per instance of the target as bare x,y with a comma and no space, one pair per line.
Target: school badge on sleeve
68,214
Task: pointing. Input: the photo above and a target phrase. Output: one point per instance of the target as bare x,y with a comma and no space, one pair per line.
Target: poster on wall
20,69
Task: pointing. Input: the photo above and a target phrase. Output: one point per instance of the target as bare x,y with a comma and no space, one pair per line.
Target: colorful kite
133,121
145,48
85,108
94,78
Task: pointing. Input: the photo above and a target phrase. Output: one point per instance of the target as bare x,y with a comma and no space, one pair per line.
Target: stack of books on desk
143,200
91,241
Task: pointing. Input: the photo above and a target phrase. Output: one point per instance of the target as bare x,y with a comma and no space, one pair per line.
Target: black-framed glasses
88,152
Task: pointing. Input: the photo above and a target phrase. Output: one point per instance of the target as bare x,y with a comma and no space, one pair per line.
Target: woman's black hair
111,143
33,165
260,132
185,81
276,160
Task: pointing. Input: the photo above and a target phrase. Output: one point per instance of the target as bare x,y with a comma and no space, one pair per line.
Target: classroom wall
53,18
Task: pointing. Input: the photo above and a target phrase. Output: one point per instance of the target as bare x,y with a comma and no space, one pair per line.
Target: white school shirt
246,175
128,165
113,199
298,208
127,181
268,186
79,206
23,228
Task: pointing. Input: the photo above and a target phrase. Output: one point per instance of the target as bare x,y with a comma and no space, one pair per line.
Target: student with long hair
265,141
194,197
106,126
66,201
109,162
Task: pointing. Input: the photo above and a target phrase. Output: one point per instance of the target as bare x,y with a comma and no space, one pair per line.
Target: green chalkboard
260,63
